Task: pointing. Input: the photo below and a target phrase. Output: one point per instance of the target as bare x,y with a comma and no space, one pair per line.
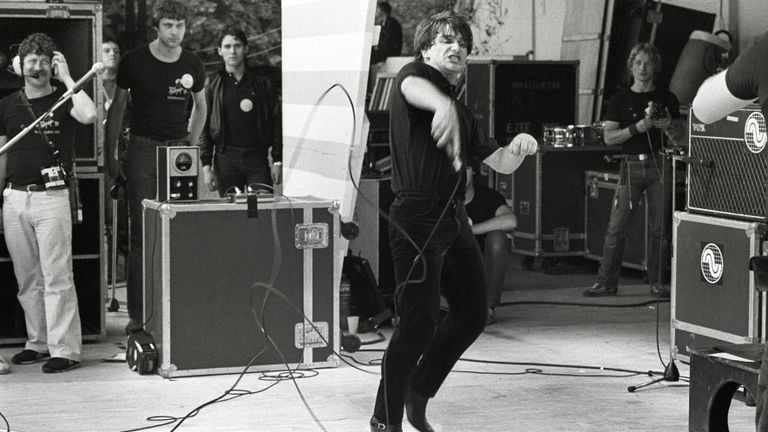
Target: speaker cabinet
714,299
510,97
736,183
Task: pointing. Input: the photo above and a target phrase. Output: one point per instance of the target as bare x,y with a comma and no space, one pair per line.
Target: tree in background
129,22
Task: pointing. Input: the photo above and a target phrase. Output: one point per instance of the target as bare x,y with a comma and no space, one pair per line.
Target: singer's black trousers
423,351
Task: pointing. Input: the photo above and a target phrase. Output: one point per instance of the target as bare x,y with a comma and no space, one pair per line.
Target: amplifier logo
754,132
712,263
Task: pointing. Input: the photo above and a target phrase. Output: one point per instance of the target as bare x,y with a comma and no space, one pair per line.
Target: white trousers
38,233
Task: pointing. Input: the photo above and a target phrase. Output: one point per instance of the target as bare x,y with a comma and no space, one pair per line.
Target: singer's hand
662,123
523,144
445,129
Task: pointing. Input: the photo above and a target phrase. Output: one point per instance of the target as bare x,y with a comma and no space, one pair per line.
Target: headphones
17,66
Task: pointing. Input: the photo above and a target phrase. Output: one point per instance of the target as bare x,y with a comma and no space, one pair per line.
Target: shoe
4,366
660,291
416,411
377,426
29,356
60,364
492,318
133,326
599,290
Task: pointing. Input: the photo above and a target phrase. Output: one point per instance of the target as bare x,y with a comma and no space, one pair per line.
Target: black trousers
423,351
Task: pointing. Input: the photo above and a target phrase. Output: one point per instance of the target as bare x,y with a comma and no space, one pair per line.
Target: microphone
97,68
706,163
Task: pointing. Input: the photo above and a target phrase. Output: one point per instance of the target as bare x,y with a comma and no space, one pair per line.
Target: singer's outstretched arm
422,94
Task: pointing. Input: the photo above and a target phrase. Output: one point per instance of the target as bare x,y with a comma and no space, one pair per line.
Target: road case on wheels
223,290
714,299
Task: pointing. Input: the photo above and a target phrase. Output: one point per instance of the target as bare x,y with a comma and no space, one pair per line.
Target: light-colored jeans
38,233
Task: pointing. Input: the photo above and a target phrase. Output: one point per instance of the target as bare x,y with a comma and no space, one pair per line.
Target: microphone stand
671,373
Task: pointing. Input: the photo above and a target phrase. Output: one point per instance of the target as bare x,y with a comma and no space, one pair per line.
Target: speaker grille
735,186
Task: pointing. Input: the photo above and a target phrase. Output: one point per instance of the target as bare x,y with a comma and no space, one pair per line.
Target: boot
416,410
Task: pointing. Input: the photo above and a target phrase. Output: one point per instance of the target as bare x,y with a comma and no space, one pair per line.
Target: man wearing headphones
743,82
36,214
162,78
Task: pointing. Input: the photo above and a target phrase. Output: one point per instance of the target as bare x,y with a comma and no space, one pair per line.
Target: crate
713,292
76,29
548,200
600,188
207,266
89,268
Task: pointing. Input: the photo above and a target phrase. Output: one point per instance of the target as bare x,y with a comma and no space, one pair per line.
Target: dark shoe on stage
660,291
29,356
377,426
59,364
416,410
599,290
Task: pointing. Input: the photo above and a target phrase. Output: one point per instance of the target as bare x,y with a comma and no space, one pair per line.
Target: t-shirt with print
31,154
160,91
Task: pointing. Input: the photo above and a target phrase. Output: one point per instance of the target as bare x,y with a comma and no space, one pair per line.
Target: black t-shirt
160,91
627,107
483,207
747,77
28,156
417,164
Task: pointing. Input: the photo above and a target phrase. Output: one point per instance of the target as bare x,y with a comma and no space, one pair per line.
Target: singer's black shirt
747,77
28,156
417,164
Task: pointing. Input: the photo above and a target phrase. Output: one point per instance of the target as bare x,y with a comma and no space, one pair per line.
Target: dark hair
429,28
169,9
235,32
37,43
651,51
385,7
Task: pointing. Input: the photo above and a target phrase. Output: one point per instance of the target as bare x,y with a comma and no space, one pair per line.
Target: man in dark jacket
243,123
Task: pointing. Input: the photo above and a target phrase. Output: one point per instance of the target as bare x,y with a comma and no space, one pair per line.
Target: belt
27,188
638,157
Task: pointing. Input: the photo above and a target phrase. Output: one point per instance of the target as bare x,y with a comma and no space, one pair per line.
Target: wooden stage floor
531,393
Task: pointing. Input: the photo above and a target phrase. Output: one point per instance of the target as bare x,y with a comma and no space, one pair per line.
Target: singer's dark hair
428,30
169,9
37,43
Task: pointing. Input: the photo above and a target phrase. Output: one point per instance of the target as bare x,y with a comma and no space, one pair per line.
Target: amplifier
714,299
735,185
177,170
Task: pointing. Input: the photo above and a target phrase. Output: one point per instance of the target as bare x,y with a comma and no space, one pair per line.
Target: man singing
36,211
162,78
432,135
243,123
